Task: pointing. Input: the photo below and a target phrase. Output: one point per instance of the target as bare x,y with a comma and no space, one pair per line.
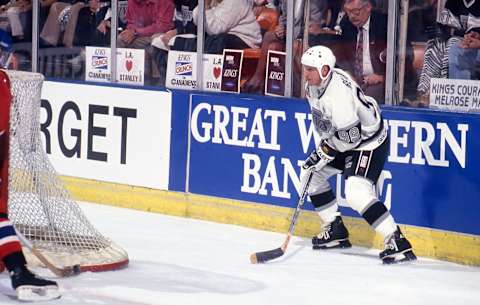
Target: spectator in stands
364,43
224,30
144,19
13,11
464,57
44,11
62,18
93,26
324,32
229,24
275,40
185,30
184,34
455,20
258,7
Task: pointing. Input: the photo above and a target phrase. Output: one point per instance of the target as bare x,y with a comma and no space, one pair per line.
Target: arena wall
236,160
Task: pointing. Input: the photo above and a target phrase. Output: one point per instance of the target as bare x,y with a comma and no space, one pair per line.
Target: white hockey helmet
317,57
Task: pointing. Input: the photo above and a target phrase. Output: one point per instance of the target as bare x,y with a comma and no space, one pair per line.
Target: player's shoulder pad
341,86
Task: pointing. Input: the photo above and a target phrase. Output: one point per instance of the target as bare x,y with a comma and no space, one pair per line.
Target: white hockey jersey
343,116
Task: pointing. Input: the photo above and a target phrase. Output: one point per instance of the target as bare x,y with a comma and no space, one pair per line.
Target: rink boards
236,160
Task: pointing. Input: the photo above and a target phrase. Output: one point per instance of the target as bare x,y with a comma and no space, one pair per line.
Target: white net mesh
39,205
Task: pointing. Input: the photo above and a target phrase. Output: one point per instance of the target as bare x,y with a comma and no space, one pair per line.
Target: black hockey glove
320,156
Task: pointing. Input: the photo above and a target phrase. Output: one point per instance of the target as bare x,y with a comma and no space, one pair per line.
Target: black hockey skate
333,235
31,288
397,249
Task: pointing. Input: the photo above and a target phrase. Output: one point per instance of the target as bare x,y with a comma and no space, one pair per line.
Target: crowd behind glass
432,38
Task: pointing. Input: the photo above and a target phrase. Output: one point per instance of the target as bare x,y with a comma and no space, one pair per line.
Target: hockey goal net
39,205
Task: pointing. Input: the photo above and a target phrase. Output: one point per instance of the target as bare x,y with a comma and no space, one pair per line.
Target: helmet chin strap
317,91
321,74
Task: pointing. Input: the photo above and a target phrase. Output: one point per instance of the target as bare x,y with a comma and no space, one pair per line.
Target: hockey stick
265,256
60,272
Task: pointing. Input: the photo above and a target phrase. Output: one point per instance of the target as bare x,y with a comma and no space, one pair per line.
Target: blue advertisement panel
179,136
252,148
247,149
434,161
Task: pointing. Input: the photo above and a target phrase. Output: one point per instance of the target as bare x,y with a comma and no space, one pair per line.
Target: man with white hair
353,141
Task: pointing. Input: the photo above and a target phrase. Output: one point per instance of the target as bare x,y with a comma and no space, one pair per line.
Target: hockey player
353,141
27,286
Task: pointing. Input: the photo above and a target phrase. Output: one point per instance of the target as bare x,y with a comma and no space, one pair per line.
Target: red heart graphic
216,72
129,65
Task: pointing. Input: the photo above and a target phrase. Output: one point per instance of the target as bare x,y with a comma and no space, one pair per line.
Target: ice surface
179,261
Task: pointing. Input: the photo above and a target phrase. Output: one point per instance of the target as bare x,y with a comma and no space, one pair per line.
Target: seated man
145,18
364,48
93,26
364,41
229,24
62,19
185,33
464,57
92,29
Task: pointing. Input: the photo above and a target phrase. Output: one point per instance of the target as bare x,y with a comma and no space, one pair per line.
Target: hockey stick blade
265,256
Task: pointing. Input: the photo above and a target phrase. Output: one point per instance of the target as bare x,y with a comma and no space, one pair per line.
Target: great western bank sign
252,149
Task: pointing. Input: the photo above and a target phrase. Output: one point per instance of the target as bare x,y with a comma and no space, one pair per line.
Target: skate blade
401,257
34,293
337,244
